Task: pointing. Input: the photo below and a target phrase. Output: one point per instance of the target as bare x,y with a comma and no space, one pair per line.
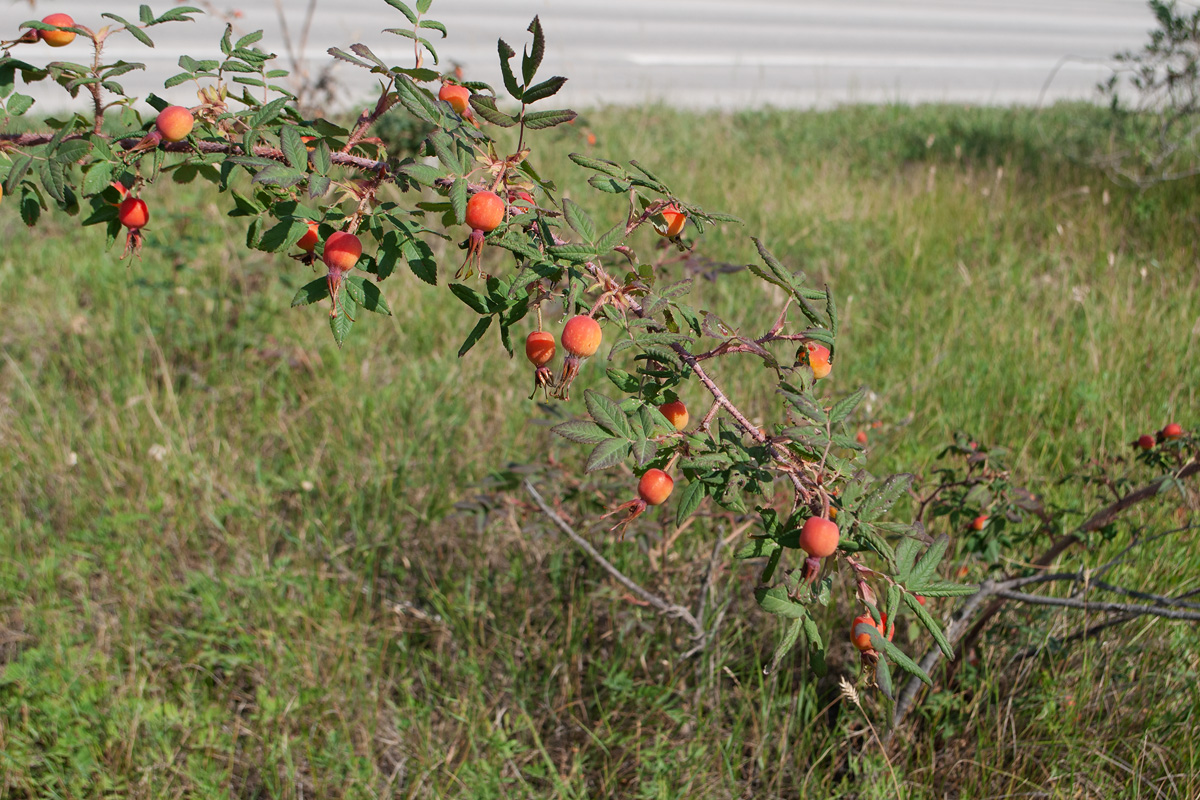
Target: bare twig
664,607
1070,602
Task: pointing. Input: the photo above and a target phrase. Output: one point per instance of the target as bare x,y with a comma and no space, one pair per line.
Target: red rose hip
819,537
58,38
174,123
342,251
133,213
676,413
655,487
539,347
581,336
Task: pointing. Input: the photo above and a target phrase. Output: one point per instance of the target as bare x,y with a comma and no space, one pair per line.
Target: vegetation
245,562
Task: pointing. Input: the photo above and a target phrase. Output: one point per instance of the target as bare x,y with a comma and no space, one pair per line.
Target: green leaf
757,548
18,104
610,185
623,380
367,295
471,297
458,199
925,568
547,88
342,320
883,678
510,81
644,450
403,9
816,647
485,106
689,500
423,174
538,120
582,431
845,407
610,168
531,60
474,336
776,601
282,236
280,176
930,624
608,453
421,260
885,495
785,646
579,221
313,292
433,24
293,148
97,178
897,655
607,414
419,102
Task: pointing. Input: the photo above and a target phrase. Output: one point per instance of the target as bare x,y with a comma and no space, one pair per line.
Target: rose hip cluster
581,338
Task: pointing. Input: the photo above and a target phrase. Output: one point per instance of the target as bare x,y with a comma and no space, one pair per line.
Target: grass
242,563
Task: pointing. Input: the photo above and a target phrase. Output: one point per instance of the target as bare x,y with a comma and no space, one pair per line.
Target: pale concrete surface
692,53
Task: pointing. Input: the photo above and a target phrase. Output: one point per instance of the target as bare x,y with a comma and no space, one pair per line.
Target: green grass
242,563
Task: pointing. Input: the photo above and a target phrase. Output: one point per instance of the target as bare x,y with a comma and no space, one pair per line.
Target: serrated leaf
776,601
547,88
403,8
458,199
926,567
471,297
884,496
607,414
539,120
282,236
906,556
610,185
644,451
342,55
532,59
510,81
930,624
582,431
610,168
485,106
97,178
421,260
689,500
419,102
367,295
423,174
883,678
785,646
756,548
293,148
843,408
342,319
942,588
579,221
608,453
474,336
898,655
280,176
